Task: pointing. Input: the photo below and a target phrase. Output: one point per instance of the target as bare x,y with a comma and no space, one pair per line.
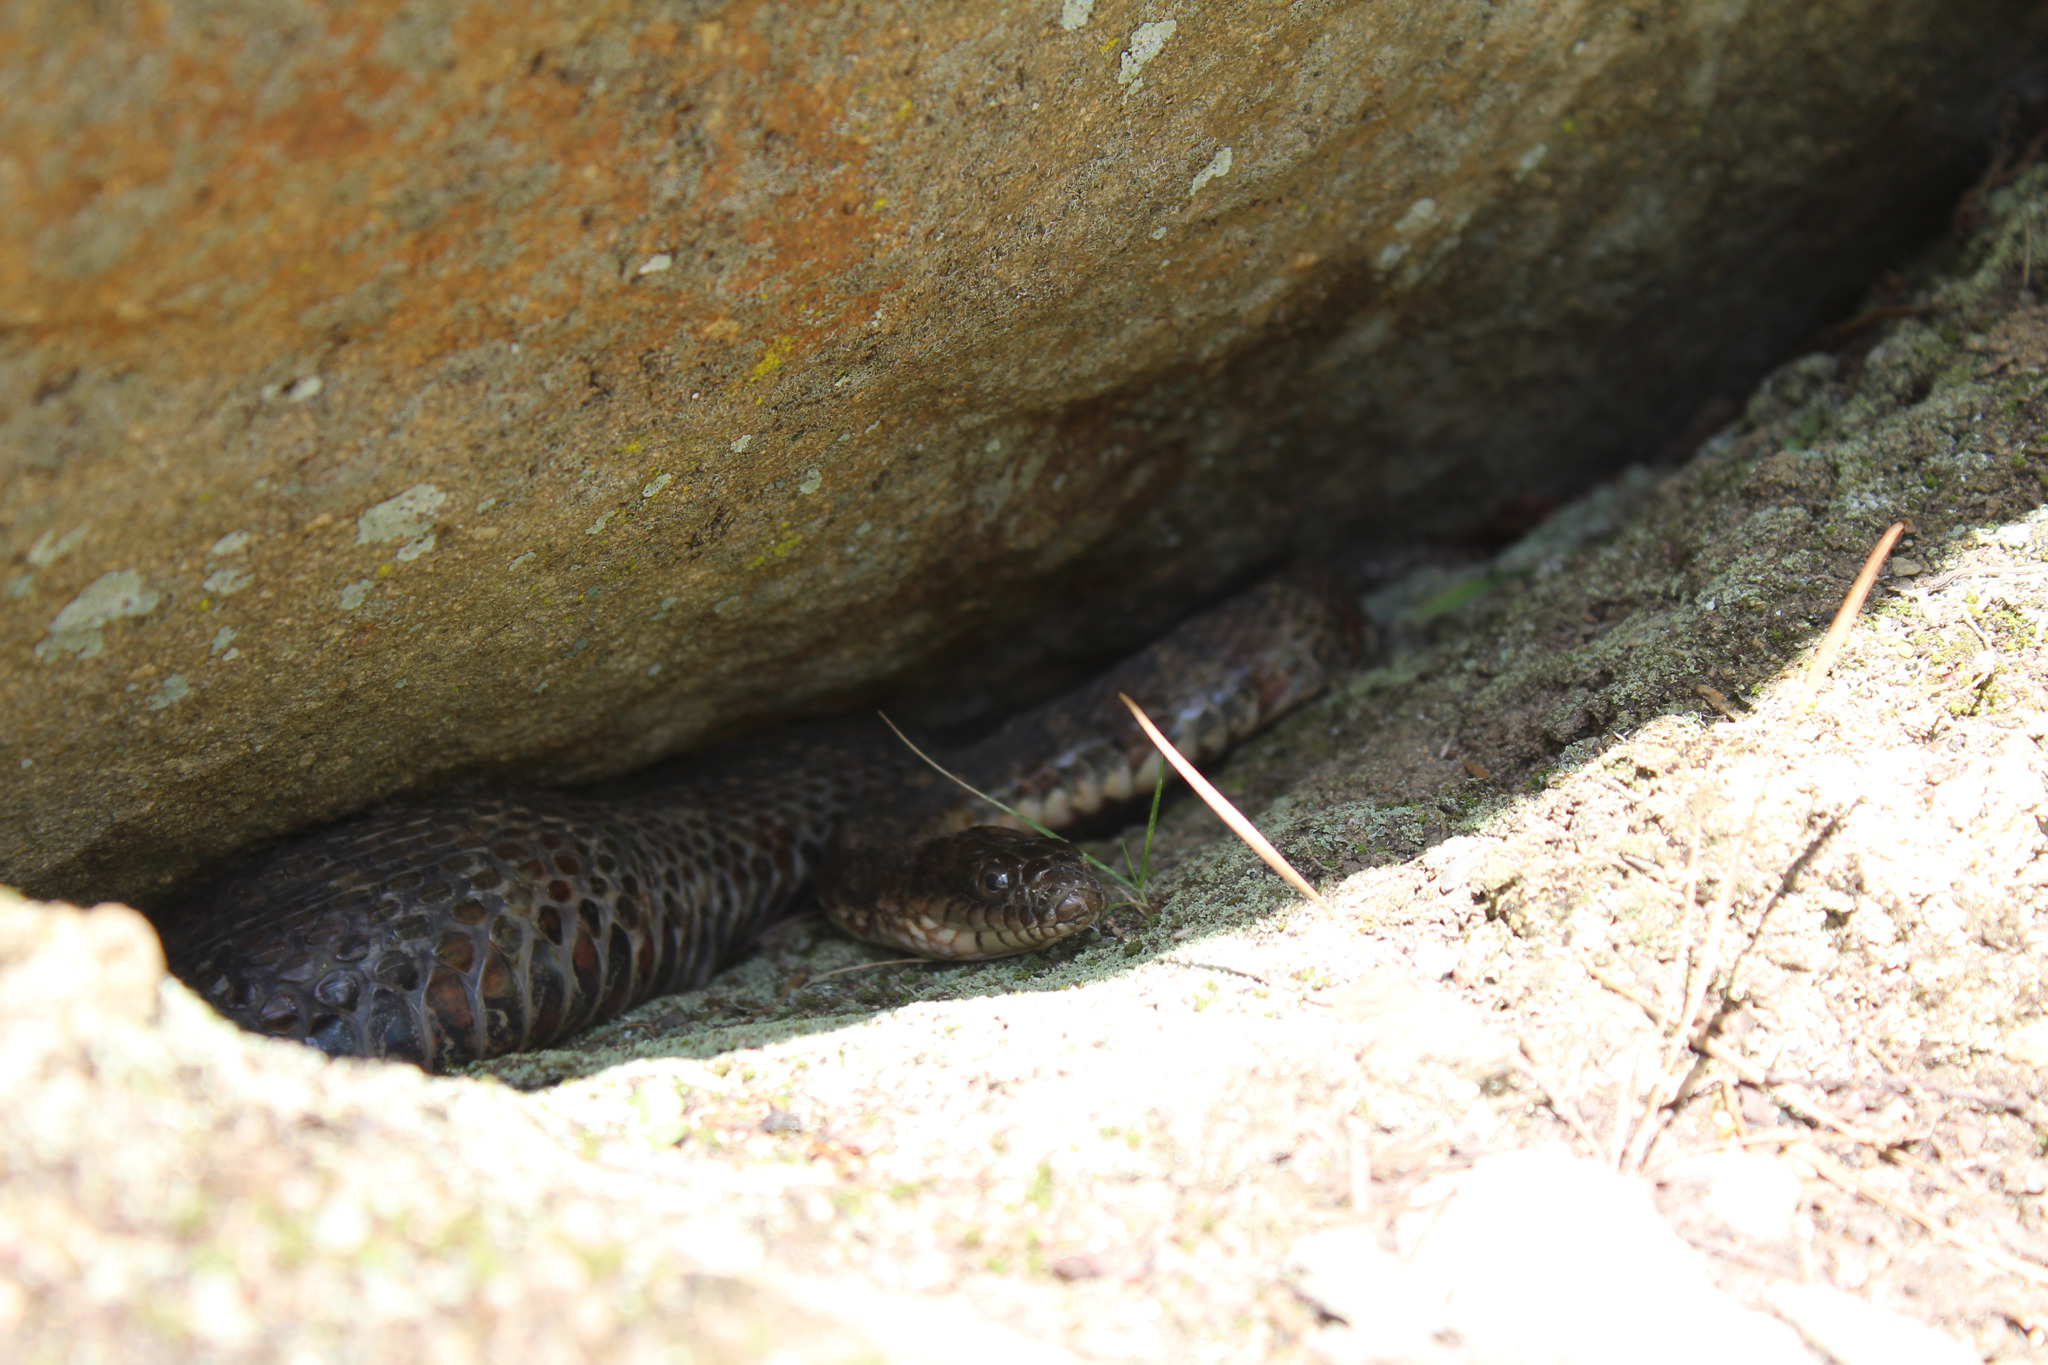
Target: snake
476,923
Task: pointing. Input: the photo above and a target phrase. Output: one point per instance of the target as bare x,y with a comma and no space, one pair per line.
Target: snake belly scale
470,926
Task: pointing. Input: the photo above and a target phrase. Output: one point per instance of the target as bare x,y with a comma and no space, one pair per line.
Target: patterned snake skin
471,926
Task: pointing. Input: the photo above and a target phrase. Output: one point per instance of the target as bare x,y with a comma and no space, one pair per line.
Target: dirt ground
1599,883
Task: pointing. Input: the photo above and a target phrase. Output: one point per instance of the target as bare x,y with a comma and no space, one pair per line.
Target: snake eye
995,881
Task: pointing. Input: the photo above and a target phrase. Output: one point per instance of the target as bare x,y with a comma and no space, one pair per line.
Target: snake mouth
1047,922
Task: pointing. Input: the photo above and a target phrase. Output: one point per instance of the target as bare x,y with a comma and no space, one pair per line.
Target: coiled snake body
467,927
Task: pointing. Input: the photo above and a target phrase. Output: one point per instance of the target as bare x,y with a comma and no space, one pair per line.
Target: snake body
470,926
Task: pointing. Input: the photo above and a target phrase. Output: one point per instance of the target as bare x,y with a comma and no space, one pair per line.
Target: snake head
979,893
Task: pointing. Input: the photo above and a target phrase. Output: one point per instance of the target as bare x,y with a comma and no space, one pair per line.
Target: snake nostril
1077,904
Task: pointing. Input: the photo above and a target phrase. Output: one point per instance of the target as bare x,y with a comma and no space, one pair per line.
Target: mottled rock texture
176,1191
395,392
1116,1149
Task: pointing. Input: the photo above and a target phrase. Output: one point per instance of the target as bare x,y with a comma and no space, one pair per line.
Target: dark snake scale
472,925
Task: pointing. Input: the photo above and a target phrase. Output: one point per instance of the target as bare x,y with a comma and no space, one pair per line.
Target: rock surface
408,391
175,1190
1530,1258
1534,829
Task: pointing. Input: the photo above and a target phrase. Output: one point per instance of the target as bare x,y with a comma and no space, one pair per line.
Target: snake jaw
1026,892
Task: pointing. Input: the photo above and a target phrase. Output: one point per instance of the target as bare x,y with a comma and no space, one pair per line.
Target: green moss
1040,1191
1808,428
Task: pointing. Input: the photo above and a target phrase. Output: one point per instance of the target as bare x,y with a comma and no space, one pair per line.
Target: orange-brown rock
395,391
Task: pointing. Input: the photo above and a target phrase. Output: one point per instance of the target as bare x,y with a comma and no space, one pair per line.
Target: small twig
1624,990
1942,580
1784,887
1551,1096
1301,997
862,967
1999,1103
1744,1069
1694,840
1222,970
1654,871
1731,1102
1730,1252
1845,616
1754,1075
1644,870
1796,1139
1225,811
1625,1130
1977,631
1920,1095
1685,1088
1886,1148
1603,780
804,981
1782,1140
1896,1085
1684,1066
1717,919
1832,1171
1887,1063
1834,336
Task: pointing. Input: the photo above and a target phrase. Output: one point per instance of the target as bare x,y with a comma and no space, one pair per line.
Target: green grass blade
966,786
1151,824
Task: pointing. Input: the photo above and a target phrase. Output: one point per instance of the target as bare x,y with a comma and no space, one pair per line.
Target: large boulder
390,394
1126,1149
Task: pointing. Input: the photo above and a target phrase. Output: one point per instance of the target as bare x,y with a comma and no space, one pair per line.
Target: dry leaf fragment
1718,701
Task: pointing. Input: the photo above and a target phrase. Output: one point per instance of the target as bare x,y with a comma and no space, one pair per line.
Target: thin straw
1831,643
1227,813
